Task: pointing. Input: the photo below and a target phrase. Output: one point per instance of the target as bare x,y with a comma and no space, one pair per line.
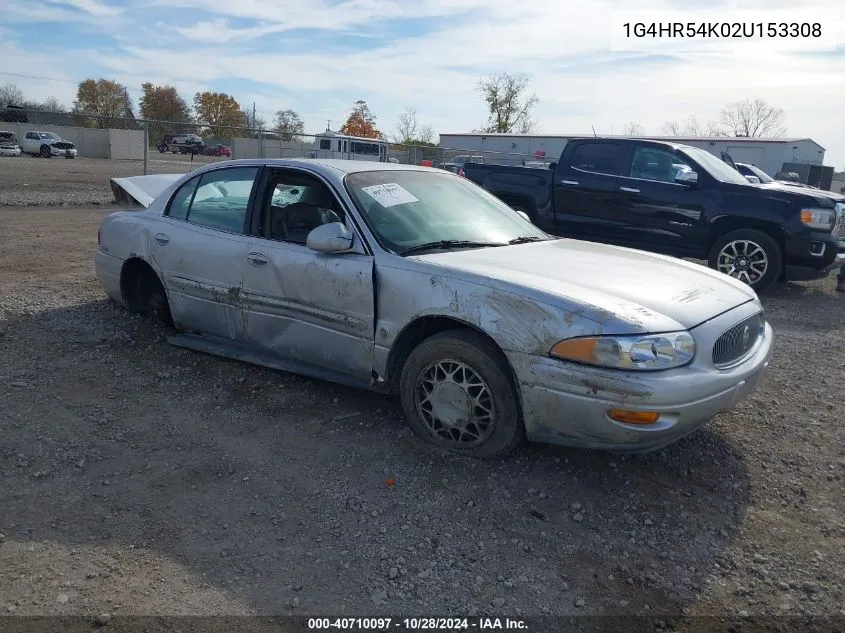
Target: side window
295,205
657,164
181,200
31,135
222,197
599,158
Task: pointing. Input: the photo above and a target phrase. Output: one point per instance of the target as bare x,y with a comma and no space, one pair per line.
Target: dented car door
307,307
199,248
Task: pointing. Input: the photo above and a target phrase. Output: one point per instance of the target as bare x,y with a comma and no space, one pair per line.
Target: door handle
256,259
569,182
161,238
629,189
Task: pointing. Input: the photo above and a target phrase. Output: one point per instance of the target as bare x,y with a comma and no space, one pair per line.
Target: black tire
45,152
493,387
739,244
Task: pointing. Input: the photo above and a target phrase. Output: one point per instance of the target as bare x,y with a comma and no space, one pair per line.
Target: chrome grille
738,341
63,145
840,207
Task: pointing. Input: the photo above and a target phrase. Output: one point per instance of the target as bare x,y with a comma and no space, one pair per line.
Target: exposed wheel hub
450,404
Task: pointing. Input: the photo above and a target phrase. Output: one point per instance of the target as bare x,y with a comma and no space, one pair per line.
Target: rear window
600,158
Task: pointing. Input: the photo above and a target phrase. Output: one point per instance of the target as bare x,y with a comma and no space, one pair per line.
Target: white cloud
92,7
565,48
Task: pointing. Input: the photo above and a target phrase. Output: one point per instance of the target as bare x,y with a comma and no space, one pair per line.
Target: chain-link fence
87,151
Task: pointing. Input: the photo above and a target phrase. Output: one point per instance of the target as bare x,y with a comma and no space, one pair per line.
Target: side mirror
754,180
552,166
688,177
524,215
330,238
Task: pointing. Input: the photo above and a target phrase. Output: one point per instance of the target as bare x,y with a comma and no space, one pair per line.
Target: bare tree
527,125
692,127
632,129
407,127
410,131
426,134
10,94
51,104
509,106
753,118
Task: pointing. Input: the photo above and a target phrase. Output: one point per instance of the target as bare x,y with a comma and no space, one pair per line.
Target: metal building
769,154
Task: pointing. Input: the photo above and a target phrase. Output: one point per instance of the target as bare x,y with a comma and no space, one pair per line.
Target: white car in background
47,145
9,144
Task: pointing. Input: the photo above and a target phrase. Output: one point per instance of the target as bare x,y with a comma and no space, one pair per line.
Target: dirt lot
139,478
25,180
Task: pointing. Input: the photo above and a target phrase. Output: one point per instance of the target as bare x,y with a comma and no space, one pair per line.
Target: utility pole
254,131
328,125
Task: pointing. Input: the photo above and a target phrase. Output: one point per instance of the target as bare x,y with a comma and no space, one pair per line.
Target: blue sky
319,56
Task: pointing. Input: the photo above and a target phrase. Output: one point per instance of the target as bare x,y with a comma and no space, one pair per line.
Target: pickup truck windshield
715,166
409,208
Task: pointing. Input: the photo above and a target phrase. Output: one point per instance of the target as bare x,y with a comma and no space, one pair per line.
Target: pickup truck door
665,215
587,201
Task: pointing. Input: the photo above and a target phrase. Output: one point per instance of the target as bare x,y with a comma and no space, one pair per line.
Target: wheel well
137,282
727,224
424,327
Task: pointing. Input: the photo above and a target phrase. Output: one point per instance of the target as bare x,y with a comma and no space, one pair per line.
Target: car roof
341,166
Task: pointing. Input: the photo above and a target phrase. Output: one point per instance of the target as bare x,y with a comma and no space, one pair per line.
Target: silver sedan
414,281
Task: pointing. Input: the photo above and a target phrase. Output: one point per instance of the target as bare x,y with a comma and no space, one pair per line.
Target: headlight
648,352
823,219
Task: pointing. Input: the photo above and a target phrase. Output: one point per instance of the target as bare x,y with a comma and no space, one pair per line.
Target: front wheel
751,256
45,152
457,393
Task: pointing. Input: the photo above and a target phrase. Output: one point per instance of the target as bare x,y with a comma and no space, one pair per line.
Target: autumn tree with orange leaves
219,113
361,122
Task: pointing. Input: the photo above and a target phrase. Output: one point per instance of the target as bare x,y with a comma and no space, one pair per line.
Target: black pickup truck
676,200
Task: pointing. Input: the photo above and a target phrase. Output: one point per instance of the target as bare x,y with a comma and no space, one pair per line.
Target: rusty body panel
342,315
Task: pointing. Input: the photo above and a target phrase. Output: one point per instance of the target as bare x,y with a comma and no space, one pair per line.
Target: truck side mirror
552,166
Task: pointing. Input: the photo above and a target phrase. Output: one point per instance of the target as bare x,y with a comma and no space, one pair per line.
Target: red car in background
218,150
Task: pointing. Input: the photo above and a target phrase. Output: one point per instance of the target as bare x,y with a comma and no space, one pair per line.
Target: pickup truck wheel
45,152
457,393
749,255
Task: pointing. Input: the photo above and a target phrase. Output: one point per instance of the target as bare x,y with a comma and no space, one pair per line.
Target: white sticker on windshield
390,194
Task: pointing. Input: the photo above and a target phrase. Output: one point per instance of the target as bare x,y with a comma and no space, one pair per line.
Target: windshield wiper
449,244
525,239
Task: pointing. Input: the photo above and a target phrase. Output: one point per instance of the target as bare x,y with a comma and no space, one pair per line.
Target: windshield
49,136
763,176
409,208
715,166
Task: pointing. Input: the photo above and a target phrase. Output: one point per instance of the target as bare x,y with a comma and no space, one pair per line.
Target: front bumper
56,151
565,403
5,151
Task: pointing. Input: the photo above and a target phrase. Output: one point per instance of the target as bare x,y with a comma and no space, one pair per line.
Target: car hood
649,292
804,191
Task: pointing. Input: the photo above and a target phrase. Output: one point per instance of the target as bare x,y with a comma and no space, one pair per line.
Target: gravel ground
140,478
28,181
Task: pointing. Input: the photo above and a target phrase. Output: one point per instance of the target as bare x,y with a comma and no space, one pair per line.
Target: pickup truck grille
733,345
63,145
840,207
